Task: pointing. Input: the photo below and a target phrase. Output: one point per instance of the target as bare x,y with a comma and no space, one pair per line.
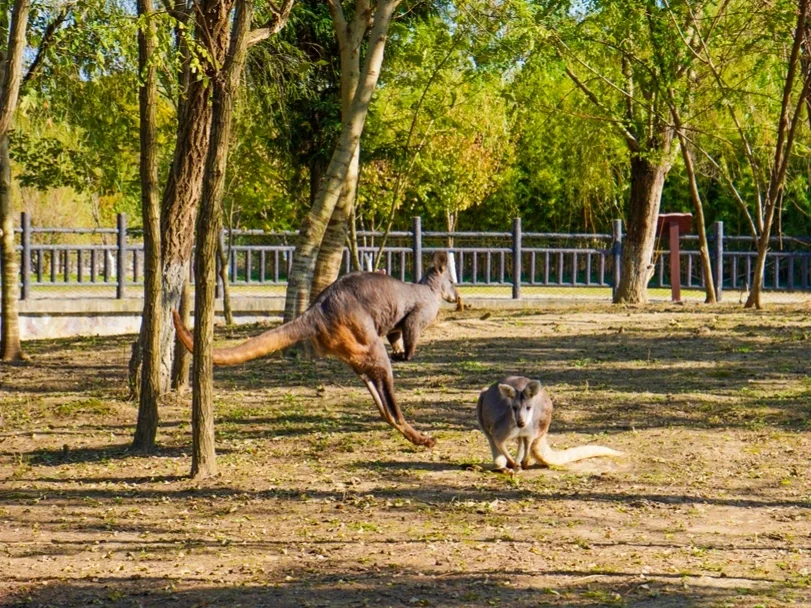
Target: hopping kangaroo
348,320
517,408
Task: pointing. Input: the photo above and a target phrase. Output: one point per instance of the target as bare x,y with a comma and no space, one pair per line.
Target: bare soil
318,503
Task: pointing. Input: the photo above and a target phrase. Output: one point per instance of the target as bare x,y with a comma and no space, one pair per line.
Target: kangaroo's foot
424,440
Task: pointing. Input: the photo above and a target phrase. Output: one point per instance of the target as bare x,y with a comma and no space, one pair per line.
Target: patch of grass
91,406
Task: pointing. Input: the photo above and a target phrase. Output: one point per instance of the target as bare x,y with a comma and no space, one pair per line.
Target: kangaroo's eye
529,408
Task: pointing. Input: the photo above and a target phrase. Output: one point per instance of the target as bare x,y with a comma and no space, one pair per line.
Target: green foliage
475,119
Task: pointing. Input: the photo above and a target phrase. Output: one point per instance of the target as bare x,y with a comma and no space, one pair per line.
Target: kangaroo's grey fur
518,408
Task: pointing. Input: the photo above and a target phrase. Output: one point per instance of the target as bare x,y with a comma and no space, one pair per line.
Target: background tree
314,226
11,76
150,385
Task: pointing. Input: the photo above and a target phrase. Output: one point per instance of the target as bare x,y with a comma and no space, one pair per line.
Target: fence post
719,260
516,258
616,248
416,246
121,262
25,241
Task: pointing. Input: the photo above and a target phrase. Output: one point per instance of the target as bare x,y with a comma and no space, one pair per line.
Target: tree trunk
182,358
182,192
10,346
223,256
150,385
647,180
11,58
209,223
314,226
786,131
331,252
695,197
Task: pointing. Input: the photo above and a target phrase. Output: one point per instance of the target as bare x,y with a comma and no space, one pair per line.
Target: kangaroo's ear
440,261
532,389
507,391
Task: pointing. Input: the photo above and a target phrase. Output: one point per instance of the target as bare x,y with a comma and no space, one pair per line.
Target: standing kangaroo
348,320
518,408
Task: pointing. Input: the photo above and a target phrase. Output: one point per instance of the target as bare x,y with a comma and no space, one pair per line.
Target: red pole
675,267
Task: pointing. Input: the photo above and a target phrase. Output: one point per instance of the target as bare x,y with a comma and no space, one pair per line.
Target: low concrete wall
62,318
48,318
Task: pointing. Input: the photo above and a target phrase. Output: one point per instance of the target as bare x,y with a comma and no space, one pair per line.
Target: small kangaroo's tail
543,453
253,348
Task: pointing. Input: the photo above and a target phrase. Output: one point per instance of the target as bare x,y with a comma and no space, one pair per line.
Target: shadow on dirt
371,587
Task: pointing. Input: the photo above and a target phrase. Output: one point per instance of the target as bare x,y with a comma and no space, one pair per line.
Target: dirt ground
319,503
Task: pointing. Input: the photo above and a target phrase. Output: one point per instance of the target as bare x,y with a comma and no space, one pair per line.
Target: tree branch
632,142
45,45
274,24
336,11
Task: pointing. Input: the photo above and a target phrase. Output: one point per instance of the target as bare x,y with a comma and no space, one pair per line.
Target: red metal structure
675,224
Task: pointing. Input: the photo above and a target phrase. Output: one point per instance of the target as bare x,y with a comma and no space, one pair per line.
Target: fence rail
556,260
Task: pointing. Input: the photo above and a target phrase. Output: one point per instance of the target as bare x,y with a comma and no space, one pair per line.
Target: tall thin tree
150,386
333,185
11,76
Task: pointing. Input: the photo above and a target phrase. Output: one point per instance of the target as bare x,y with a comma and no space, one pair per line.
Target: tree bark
182,358
647,180
11,58
331,252
13,64
209,223
150,385
698,207
222,254
10,346
182,192
786,131
315,224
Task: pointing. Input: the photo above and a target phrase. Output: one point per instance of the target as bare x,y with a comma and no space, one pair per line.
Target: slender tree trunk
182,192
222,254
209,224
786,131
647,180
331,252
182,358
698,207
10,346
315,224
11,59
150,385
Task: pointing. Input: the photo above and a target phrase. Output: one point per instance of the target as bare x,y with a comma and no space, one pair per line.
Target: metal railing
110,257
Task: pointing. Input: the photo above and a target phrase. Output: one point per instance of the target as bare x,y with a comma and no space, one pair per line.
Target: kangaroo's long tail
542,452
253,348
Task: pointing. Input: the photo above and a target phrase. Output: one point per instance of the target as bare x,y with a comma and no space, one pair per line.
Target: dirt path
318,503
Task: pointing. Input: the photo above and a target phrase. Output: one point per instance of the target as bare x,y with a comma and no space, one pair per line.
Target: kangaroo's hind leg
378,370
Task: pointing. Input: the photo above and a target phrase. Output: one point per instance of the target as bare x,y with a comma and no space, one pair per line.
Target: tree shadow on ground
62,456
401,588
428,492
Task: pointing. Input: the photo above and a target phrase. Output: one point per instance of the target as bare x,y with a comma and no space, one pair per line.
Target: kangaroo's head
521,401
439,277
